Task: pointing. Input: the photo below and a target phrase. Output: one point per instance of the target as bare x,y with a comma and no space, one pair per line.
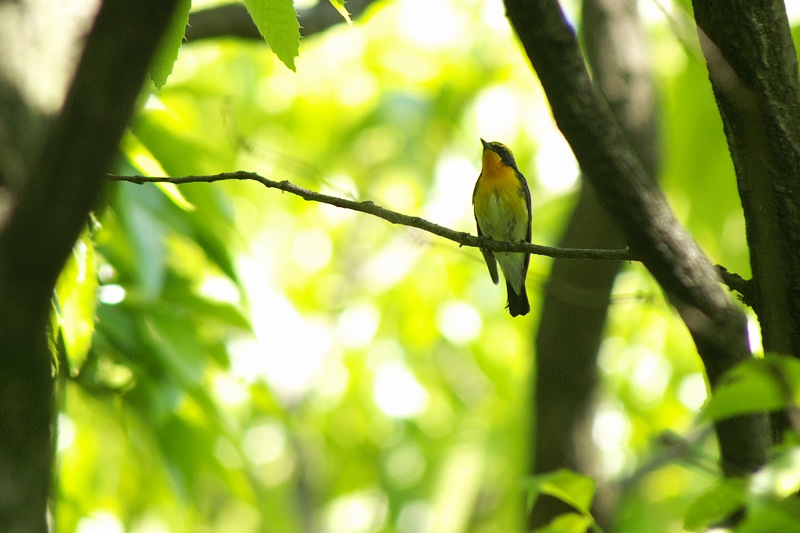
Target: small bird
502,203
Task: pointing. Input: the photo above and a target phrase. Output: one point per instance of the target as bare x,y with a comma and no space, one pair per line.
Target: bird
502,205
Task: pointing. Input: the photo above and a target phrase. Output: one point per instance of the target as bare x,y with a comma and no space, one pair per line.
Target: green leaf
277,22
567,523
76,292
340,7
716,504
570,487
145,162
138,209
170,45
781,516
758,385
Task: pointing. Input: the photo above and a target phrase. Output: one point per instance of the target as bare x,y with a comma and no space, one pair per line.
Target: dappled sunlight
397,392
311,250
360,512
693,391
459,322
389,265
100,522
556,168
264,363
780,479
610,432
450,198
357,324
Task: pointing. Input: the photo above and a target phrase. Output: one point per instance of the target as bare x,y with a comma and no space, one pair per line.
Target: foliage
277,22
769,384
253,362
571,488
171,44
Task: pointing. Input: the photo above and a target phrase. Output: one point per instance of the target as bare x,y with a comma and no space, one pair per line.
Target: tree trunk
53,187
578,292
752,64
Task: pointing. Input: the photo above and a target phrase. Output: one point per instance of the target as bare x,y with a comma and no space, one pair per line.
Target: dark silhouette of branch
640,210
737,283
233,20
61,184
566,365
464,239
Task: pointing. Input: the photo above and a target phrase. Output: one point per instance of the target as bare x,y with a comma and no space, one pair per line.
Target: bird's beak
485,145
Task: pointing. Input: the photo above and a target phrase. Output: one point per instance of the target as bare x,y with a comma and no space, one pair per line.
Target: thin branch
732,280
369,207
737,283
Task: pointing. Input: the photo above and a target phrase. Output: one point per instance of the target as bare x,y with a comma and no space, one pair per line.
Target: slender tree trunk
577,295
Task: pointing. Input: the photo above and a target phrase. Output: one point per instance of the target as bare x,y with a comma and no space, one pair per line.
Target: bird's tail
517,303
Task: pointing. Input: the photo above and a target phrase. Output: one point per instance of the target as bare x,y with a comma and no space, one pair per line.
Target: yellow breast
500,206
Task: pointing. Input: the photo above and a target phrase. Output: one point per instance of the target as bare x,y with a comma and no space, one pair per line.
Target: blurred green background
238,359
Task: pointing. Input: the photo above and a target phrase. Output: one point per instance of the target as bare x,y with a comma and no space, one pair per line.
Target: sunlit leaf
780,478
76,291
716,504
342,9
277,22
170,45
567,523
570,487
138,209
757,385
142,159
782,515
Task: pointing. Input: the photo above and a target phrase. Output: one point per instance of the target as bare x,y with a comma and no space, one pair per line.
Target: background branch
566,365
233,20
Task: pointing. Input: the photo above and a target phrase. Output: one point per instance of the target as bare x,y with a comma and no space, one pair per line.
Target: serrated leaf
716,504
170,45
277,22
340,7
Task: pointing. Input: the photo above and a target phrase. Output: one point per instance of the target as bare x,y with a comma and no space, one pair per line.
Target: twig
737,283
463,239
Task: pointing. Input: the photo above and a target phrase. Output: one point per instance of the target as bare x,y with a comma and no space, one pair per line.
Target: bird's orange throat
492,164
497,177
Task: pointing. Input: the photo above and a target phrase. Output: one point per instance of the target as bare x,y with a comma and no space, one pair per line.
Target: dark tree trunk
577,296
54,187
752,64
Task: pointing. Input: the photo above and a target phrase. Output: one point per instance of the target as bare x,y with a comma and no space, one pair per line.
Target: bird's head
494,151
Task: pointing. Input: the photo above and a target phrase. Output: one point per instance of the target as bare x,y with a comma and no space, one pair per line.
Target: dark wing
526,192
488,256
